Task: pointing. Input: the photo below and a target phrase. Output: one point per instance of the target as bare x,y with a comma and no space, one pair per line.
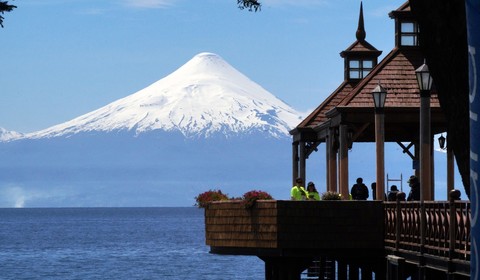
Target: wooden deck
362,233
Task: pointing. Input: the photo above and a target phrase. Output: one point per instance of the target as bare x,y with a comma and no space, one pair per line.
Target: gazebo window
359,69
409,33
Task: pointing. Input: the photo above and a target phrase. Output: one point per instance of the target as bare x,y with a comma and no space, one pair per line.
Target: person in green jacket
298,191
312,192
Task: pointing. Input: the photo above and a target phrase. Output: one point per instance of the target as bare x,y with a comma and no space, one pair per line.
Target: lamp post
379,95
425,84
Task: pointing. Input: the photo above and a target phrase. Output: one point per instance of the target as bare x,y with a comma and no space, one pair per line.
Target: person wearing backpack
359,191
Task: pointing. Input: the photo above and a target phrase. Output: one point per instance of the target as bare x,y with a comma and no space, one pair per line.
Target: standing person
298,191
374,190
359,191
414,184
312,192
392,194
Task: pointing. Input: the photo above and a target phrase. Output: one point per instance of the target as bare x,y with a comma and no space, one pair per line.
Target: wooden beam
406,150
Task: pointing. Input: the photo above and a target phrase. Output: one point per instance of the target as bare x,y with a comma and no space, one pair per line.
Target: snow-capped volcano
6,135
204,97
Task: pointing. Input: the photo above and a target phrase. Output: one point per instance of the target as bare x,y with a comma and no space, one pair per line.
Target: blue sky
64,58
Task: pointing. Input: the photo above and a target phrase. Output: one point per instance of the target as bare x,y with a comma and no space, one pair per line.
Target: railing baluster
447,232
399,222
454,195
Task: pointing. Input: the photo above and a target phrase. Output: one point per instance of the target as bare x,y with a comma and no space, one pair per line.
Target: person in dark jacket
359,191
414,184
392,194
374,190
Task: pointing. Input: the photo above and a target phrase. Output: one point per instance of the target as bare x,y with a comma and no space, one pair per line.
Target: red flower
203,199
249,198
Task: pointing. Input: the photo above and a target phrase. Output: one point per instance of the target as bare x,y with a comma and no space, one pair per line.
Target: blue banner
473,29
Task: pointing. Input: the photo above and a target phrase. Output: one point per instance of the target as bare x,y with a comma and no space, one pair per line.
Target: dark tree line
5,7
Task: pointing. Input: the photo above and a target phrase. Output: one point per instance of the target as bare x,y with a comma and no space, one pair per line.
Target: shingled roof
396,73
352,101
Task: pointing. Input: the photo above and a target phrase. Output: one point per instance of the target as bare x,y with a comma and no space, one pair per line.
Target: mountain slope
7,135
204,97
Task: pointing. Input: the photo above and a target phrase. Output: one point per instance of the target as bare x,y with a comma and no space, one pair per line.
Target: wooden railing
446,233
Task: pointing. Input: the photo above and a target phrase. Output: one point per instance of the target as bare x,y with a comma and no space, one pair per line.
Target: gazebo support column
295,158
303,161
331,162
432,169
450,170
425,147
417,159
380,156
343,164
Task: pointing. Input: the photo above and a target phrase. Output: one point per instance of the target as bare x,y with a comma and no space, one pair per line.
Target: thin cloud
303,3
149,4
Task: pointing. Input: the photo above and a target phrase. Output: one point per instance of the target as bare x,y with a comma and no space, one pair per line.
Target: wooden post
453,195
295,158
417,159
327,161
380,153
395,267
432,170
450,170
332,162
425,147
342,270
399,222
303,161
343,164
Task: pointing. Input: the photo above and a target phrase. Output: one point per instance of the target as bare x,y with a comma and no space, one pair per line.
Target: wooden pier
363,239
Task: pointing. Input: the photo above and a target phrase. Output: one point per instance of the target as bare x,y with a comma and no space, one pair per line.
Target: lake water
113,243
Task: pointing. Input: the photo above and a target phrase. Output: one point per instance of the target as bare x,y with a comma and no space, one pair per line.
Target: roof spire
361,28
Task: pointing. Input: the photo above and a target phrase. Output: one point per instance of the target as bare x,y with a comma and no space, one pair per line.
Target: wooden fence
446,233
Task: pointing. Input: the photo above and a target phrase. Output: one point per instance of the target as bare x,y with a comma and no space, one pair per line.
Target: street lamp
441,142
424,78
425,85
379,95
425,81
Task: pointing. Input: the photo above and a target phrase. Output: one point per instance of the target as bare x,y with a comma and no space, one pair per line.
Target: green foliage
331,196
250,5
5,7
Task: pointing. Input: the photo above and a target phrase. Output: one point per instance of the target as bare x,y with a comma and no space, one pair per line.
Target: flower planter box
270,224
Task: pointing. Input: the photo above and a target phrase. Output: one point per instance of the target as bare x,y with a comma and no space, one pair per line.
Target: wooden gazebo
347,115
355,239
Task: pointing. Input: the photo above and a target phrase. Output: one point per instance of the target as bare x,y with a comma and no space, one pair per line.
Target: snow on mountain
7,135
204,97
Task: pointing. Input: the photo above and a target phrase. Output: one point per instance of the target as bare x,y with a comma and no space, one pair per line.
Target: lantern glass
379,96
441,142
424,78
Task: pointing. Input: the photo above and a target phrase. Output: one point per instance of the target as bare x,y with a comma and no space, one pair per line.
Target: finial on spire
361,28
